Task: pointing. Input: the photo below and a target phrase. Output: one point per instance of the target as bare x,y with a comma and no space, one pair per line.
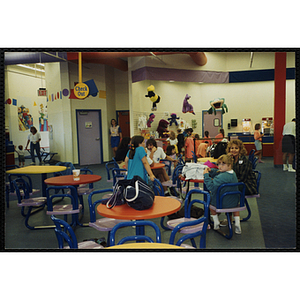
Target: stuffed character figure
151,119
187,107
173,119
162,128
153,97
142,123
217,104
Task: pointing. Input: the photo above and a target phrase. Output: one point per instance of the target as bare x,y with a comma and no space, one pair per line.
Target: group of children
233,167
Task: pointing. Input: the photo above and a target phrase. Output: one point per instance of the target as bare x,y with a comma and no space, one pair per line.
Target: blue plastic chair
219,207
194,157
109,166
10,191
159,191
73,208
64,232
118,174
21,188
68,171
137,237
191,227
102,224
258,177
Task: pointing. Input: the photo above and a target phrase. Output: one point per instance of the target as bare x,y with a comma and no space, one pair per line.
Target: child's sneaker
238,230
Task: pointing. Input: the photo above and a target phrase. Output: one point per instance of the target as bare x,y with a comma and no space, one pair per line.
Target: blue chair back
109,166
116,173
228,189
194,157
64,232
21,184
92,205
25,177
72,195
87,171
135,237
68,171
258,176
158,188
187,214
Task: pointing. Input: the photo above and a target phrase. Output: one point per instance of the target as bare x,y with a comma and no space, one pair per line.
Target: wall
253,100
23,87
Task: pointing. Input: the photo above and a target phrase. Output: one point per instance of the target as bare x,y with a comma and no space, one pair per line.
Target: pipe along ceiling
113,59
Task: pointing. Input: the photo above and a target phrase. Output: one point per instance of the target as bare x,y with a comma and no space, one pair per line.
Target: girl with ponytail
136,160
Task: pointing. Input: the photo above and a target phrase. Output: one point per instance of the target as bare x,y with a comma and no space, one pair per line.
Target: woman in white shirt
34,139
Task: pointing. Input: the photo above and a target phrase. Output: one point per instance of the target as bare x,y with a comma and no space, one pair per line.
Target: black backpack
220,149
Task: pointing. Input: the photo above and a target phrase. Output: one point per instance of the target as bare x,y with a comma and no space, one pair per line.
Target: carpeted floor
271,226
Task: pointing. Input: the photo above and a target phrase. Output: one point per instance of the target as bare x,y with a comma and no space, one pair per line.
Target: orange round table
162,206
68,180
197,181
157,166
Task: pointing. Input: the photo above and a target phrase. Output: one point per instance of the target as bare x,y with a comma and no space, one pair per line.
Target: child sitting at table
213,178
154,155
136,160
21,155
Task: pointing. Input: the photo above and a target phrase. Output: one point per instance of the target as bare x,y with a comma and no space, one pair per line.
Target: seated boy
213,178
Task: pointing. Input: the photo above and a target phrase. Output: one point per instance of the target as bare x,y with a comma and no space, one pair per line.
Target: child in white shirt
21,155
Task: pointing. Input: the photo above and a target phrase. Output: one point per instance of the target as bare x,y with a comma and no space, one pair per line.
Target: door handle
97,139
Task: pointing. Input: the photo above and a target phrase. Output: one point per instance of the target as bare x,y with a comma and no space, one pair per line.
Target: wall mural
25,119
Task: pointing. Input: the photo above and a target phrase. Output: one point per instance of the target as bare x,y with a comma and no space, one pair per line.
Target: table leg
44,185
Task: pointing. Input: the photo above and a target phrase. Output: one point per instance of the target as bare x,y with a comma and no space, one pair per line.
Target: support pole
279,104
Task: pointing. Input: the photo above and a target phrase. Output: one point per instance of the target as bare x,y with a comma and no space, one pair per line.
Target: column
279,104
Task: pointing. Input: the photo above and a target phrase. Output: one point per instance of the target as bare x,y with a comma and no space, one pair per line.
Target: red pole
279,104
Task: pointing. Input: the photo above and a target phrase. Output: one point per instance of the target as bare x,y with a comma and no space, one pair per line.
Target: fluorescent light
31,68
171,80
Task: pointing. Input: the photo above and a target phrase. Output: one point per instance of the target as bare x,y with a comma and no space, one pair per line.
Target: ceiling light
31,68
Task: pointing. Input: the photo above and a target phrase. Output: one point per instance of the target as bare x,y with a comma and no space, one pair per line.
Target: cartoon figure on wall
187,107
162,128
43,118
173,119
25,119
217,104
151,119
153,97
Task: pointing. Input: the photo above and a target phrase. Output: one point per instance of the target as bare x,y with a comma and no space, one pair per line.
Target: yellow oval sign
81,90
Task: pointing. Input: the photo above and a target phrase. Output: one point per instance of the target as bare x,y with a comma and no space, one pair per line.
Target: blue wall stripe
258,75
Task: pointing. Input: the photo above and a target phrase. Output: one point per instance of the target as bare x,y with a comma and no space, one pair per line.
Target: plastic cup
76,175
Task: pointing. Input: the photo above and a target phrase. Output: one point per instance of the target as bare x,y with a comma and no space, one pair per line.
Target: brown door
123,121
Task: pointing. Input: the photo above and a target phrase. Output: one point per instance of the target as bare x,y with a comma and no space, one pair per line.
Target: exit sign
42,92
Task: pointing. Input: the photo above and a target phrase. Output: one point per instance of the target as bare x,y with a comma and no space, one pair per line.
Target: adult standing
115,135
288,145
34,139
220,136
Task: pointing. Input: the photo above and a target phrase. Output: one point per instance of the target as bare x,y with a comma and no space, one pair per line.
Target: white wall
23,87
253,100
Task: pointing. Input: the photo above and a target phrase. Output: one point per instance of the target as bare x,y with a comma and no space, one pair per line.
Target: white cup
76,175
